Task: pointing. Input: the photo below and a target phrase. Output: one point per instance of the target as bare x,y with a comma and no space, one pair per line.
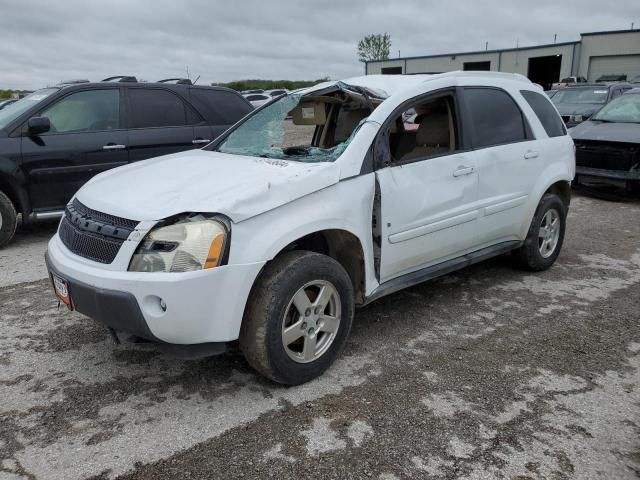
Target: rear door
86,138
509,161
160,123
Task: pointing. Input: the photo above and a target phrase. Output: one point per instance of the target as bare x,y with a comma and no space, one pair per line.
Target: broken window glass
295,127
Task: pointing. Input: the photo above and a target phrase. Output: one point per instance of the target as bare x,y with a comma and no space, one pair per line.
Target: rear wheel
546,234
298,317
8,220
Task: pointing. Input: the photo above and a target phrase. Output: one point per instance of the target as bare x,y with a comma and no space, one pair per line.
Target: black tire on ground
261,335
529,255
8,220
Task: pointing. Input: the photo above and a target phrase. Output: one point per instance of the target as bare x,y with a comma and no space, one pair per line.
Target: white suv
324,200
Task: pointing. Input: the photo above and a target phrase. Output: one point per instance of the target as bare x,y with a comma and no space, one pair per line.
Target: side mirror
38,125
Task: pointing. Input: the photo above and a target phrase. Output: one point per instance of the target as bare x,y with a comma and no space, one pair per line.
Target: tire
297,356
8,220
539,252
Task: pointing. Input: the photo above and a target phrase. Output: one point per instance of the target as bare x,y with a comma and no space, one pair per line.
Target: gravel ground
487,373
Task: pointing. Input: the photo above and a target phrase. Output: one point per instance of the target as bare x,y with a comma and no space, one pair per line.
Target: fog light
154,305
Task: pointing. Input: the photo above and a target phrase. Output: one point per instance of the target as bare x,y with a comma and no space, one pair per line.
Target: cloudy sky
45,42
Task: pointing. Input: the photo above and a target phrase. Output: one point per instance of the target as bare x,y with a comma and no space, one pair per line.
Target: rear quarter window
548,116
219,106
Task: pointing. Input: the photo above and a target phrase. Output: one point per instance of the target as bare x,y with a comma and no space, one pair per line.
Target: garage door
614,65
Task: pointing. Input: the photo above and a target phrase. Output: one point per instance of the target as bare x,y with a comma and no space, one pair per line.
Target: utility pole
486,46
555,37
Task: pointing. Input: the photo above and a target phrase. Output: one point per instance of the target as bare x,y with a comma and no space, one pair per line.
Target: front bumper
201,307
604,175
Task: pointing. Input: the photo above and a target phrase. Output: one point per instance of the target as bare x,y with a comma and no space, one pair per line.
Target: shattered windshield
624,109
304,128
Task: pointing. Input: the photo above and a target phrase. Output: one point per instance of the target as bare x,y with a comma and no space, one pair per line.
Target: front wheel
546,234
8,220
298,317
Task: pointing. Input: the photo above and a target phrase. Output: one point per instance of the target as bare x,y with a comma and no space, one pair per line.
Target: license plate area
61,289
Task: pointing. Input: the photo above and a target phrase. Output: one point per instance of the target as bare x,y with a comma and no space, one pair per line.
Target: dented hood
607,132
201,181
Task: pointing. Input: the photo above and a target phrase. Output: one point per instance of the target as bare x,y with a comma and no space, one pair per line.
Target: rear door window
158,108
548,116
495,116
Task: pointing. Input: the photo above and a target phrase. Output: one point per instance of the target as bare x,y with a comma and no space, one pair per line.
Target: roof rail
120,78
178,81
476,73
73,81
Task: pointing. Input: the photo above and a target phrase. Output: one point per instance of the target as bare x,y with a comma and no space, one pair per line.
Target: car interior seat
348,120
434,135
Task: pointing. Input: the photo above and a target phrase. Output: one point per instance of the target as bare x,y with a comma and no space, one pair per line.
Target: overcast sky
45,42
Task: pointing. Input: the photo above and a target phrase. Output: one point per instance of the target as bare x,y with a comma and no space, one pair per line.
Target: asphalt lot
490,372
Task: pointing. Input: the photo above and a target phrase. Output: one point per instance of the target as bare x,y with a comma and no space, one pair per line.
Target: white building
594,55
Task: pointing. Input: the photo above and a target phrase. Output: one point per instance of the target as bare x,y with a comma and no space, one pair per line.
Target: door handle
199,141
531,154
463,170
113,146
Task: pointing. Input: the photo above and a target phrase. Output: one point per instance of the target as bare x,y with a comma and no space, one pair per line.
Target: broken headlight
189,243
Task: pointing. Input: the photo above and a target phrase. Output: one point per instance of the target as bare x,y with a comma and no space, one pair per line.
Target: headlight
577,118
191,243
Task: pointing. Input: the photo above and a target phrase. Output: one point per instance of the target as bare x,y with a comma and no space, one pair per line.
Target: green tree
6,93
374,47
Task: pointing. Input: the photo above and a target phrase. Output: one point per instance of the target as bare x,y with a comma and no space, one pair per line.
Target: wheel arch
341,245
17,196
561,188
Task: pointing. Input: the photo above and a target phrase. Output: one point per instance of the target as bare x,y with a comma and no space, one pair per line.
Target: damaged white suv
322,200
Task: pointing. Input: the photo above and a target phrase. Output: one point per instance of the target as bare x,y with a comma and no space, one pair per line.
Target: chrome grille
94,235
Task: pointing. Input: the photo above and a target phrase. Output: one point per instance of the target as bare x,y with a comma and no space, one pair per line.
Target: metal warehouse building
594,55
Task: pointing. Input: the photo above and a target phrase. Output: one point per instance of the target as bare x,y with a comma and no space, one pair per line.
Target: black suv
57,138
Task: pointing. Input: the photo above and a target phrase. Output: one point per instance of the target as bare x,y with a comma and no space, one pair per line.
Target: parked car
6,103
57,138
273,233
277,92
608,144
258,99
565,82
578,103
612,78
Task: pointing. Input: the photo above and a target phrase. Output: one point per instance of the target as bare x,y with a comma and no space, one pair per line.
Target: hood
586,109
607,131
201,181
